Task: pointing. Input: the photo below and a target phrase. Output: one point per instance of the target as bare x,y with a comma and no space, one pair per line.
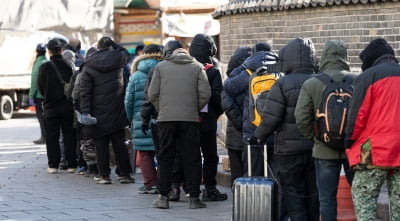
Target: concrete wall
355,24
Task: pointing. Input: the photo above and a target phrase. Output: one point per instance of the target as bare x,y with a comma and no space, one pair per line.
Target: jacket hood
298,56
145,62
170,47
334,56
261,58
374,50
238,58
180,57
203,48
106,60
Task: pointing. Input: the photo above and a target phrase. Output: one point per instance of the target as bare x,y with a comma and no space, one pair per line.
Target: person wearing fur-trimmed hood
133,103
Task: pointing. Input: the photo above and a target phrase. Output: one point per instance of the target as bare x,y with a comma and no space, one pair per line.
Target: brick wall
355,24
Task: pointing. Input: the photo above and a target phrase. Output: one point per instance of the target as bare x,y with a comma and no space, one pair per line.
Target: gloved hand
85,119
253,140
31,102
145,127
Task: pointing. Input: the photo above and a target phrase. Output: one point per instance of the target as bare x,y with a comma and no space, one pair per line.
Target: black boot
41,140
196,203
63,165
162,202
91,171
174,194
213,195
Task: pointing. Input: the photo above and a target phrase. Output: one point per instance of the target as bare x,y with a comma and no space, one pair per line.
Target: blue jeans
327,174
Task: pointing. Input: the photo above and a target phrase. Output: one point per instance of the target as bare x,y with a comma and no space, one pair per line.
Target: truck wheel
6,107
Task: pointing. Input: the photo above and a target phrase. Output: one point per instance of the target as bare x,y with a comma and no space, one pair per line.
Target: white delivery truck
17,54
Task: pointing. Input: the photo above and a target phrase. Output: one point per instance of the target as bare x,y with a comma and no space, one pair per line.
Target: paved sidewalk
27,192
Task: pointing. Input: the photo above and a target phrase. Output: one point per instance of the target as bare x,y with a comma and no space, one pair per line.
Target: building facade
356,22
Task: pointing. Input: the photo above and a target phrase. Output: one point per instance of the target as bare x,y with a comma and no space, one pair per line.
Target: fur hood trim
157,56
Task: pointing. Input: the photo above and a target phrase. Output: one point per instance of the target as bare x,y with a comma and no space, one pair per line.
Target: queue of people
173,98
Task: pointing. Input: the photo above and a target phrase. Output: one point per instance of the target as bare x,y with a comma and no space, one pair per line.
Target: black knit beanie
373,51
261,47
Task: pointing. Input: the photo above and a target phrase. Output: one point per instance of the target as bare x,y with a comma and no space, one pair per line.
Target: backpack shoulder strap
324,78
261,71
57,72
348,78
248,71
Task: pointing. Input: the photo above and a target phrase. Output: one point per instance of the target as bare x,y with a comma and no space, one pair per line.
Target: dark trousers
185,138
155,137
297,177
328,173
55,118
178,175
208,144
117,139
39,115
236,162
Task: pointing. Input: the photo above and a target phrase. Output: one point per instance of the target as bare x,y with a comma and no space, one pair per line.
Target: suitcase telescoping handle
249,160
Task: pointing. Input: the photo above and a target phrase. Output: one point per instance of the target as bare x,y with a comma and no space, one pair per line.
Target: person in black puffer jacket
232,107
102,92
297,169
203,48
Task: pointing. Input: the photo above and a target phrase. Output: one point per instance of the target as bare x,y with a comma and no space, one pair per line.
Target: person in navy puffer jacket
237,86
233,109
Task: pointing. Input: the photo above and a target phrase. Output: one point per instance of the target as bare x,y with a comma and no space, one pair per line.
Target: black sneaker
91,171
126,179
195,203
63,165
174,194
213,195
161,202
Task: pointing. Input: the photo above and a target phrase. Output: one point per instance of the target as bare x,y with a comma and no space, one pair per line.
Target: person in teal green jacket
142,141
35,98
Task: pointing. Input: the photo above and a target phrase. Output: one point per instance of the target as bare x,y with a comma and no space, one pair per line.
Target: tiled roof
249,6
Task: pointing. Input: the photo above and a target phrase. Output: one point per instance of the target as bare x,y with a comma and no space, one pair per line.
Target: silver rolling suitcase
255,198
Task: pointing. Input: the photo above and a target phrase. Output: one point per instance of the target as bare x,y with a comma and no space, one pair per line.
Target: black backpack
332,114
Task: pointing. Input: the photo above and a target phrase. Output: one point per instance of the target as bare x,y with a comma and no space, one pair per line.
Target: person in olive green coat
35,98
328,162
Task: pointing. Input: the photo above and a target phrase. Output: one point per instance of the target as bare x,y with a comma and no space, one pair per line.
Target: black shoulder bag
64,84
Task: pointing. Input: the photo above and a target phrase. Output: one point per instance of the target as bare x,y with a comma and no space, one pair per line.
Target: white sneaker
71,170
52,170
97,177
